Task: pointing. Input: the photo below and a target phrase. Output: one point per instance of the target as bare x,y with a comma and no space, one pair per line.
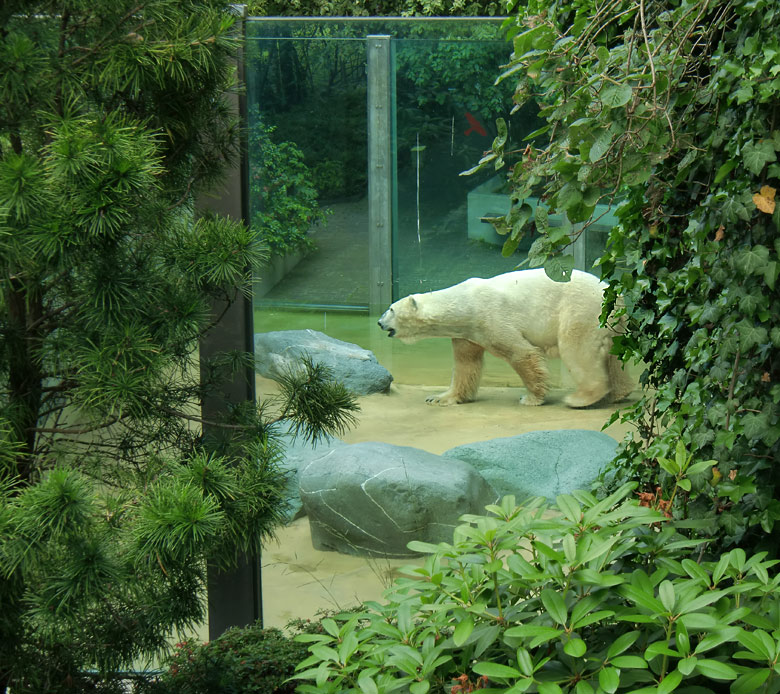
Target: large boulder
297,453
357,368
372,499
539,463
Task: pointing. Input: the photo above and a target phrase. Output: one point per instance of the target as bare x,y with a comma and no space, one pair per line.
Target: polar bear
520,317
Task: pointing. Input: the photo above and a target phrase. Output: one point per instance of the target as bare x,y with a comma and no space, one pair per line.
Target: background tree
670,112
112,119
375,8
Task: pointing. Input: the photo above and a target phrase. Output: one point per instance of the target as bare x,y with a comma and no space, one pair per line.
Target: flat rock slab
372,499
357,368
539,463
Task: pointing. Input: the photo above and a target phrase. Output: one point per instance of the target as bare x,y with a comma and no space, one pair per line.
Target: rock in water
355,367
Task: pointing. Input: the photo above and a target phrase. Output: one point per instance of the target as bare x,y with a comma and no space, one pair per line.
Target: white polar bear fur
520,317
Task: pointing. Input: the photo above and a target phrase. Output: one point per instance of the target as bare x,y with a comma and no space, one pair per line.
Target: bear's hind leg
466,374
529,363
586,359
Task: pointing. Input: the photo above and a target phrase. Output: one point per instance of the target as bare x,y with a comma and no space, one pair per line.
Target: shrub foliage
113,118
603,596
670,112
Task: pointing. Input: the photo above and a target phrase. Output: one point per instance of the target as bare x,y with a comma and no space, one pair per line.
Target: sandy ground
298,580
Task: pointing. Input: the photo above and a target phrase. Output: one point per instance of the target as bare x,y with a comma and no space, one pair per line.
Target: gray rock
539,463
298,453
372,499
357,368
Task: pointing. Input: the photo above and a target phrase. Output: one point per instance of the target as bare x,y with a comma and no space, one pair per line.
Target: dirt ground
299,580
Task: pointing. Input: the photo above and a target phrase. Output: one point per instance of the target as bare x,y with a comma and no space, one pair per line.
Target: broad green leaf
670,682
716,670
524,662
495,670
570,507
628,661
716,638
666,593
687,665
569,196
600,145
548,688
750,682
555,606
419,687
569,548
463,631
539,634
367,684
616,95
758,645
325,653
575,648
510,246
622,643
542,221
559,267
724,171
642,598
609,679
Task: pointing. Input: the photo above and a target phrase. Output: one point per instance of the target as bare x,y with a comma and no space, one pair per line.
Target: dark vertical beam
234,597
380,173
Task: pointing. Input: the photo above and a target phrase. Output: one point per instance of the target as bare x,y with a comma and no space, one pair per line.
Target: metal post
380,174
234,597
578,250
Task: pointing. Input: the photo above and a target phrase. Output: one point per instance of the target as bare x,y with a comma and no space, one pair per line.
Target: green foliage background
114,117
670,111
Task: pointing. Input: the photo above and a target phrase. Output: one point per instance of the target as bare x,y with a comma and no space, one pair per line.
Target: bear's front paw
443,400
531,400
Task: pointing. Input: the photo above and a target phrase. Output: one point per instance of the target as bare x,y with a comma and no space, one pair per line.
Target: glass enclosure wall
313,101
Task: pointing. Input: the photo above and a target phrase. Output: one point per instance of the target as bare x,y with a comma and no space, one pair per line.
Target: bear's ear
412,303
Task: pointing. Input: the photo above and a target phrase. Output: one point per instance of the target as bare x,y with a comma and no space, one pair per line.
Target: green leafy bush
241,660
283,198
670,112
604,596
366,8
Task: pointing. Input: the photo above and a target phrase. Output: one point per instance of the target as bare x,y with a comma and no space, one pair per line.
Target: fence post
380,173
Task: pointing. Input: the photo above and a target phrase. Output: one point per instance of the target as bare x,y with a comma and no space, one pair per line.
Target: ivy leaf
616,95
752,261
756,156
754,425
764,200
751,335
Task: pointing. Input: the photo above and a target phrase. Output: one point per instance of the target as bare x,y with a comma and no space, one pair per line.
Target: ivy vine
670,113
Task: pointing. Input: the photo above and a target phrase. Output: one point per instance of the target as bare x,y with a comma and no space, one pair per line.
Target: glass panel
447,106
307,86
306,79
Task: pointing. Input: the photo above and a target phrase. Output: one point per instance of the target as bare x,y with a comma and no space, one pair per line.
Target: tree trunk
25,375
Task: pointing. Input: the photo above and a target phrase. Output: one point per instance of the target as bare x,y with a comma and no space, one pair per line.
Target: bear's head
403,320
